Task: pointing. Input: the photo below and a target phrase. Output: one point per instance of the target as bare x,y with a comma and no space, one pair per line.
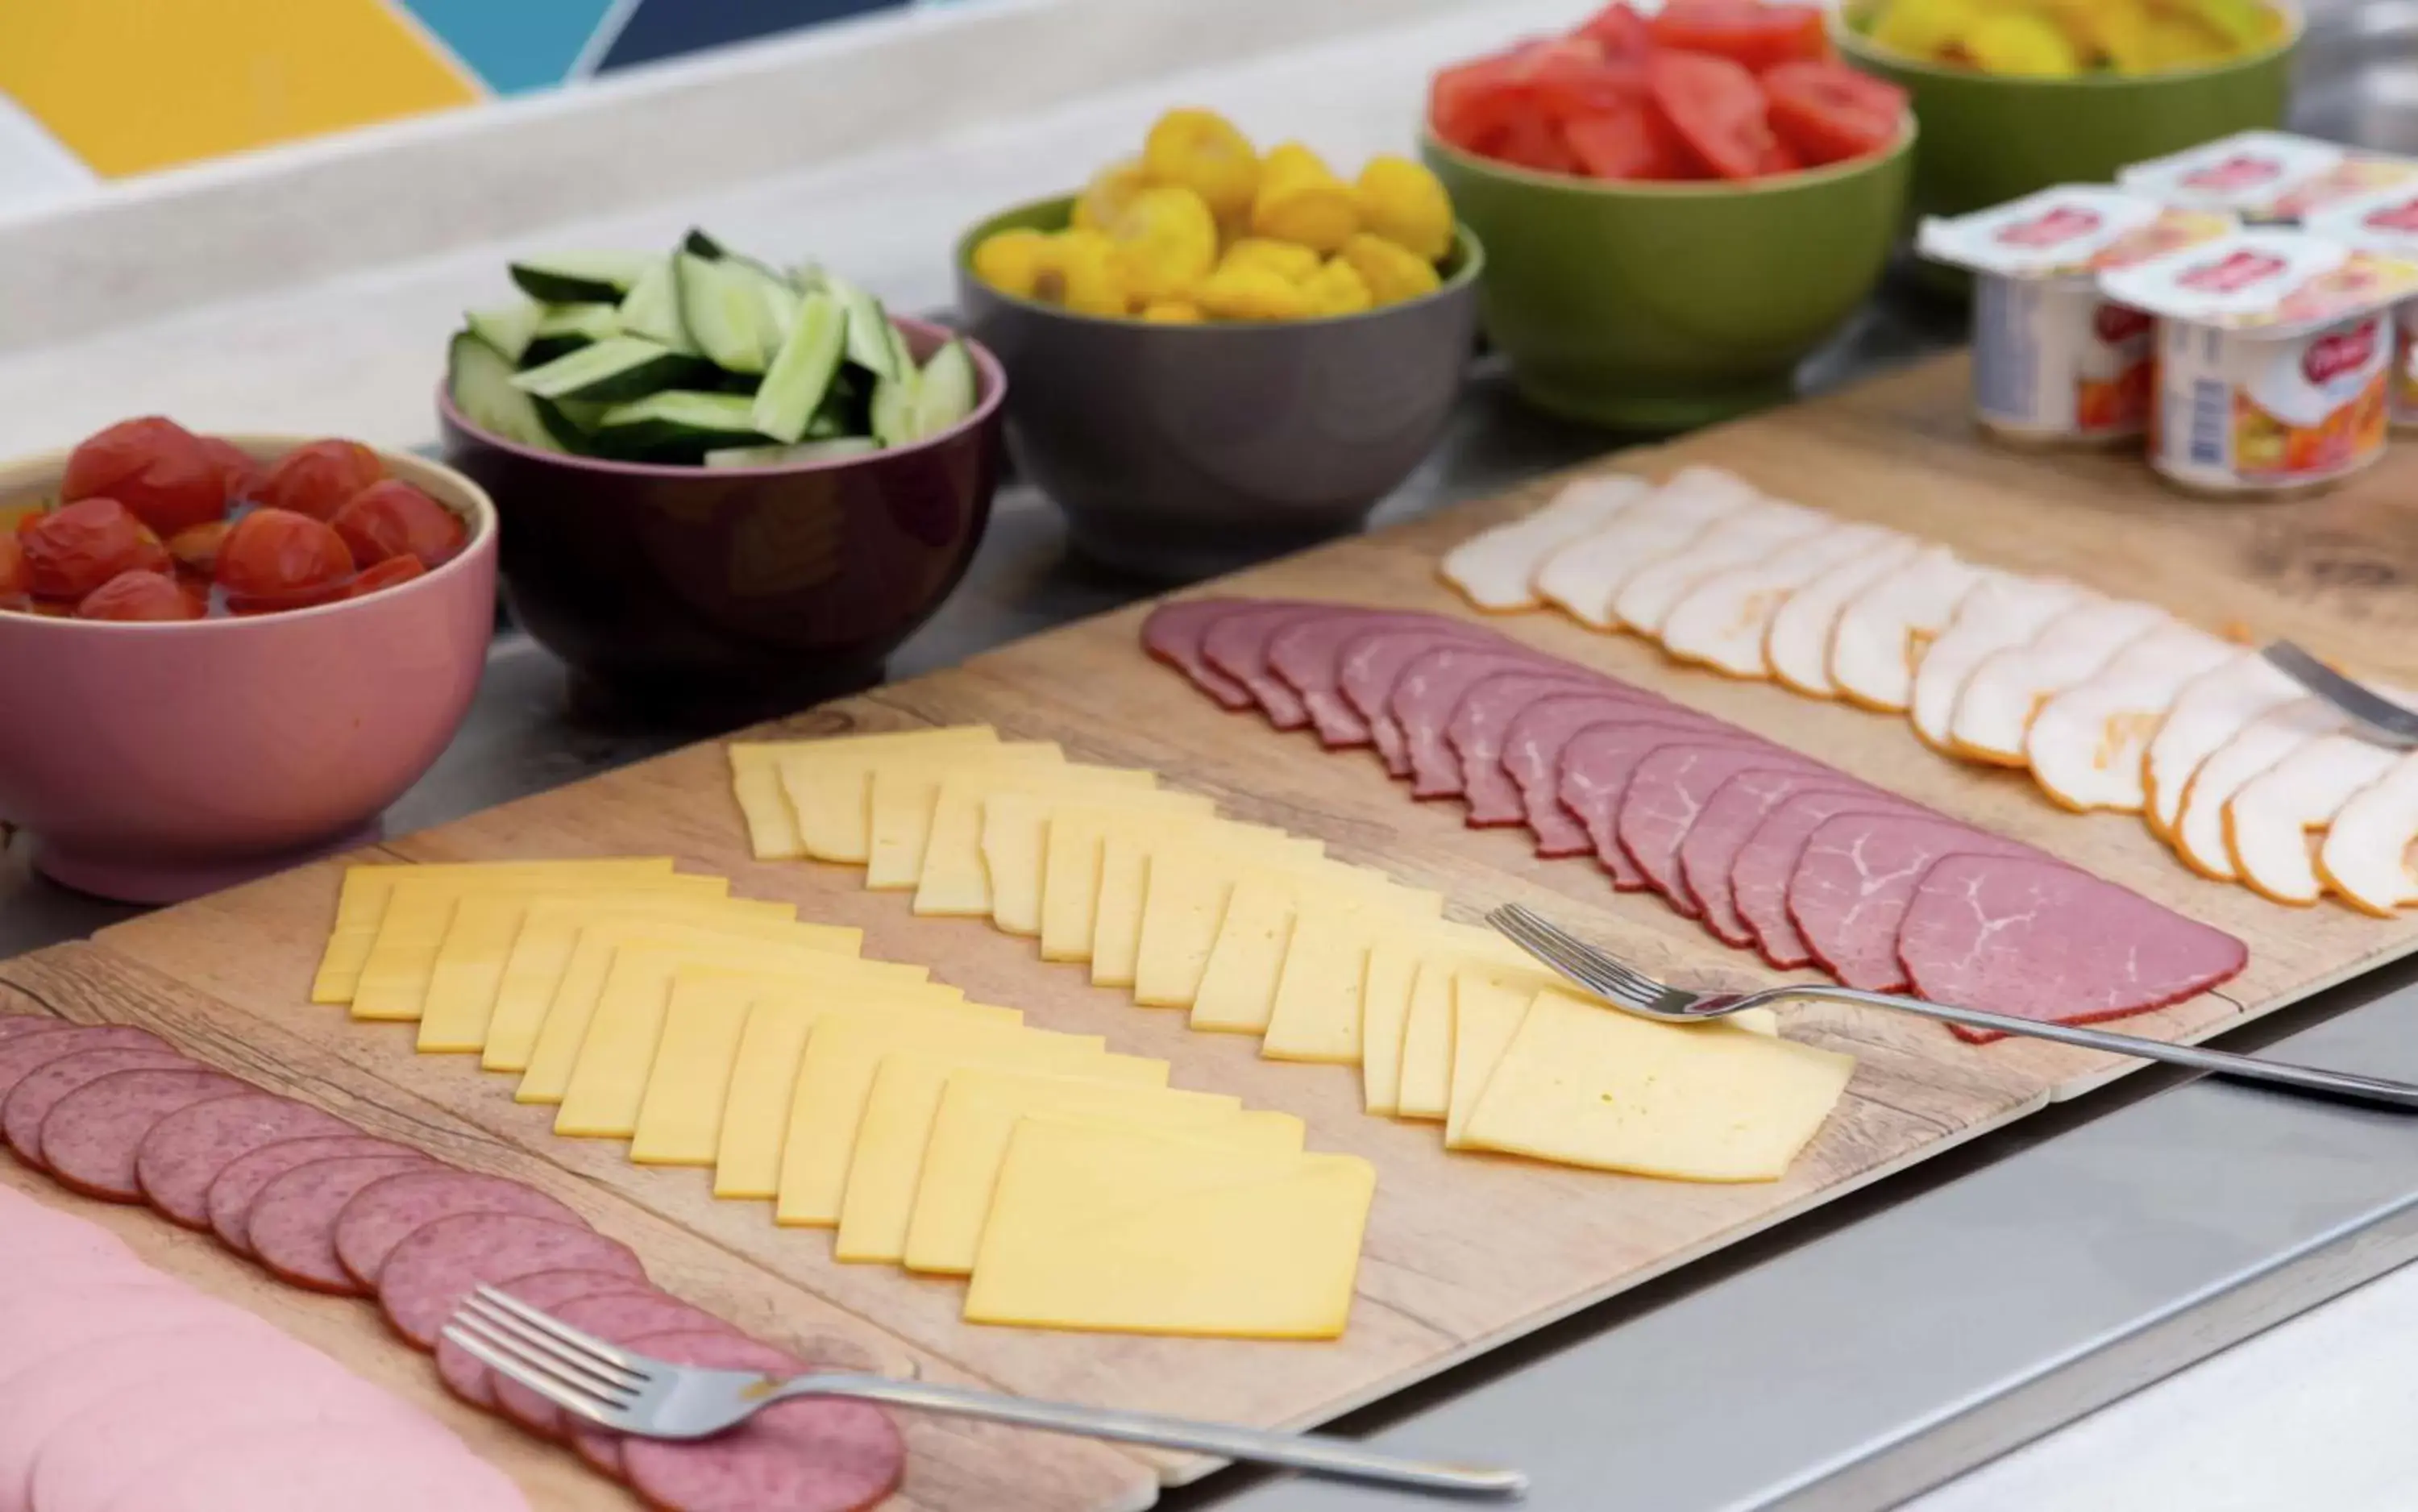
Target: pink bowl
155,762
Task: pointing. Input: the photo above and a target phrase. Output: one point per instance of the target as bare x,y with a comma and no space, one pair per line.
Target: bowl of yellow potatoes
1217,354
2015,95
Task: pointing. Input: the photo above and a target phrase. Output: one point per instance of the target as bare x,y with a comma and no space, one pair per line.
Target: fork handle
1320,1456
2218,1063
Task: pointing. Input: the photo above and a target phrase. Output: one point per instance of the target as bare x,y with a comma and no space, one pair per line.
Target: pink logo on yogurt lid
2401,217
2344,351
2116,323
2063,223
2236,272
2244,169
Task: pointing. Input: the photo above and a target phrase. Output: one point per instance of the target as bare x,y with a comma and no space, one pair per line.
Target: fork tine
1602,965
1590,968
500,1357
589,1374
524,1319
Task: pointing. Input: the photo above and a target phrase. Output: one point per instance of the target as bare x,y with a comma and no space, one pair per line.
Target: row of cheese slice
2110,704
1252,931
1072,1185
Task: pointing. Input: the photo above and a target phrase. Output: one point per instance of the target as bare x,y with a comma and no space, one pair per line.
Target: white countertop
2314,1414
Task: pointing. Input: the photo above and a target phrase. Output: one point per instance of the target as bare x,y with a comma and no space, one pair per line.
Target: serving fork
636,1394
2383,720
1633,991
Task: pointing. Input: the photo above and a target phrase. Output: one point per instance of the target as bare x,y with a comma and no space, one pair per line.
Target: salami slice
803,1456
1237,644
26,1054
185,1151
387,1211
1540,733
1308,655
426,1278
1857,878
616,1318
1596,766
31,1100
467,1378
1736,811
293,1224
2034,938
1429,689
602,1447
89,1139
1370,663
1759,877
1172,634
1668,793
239,1185
1482,719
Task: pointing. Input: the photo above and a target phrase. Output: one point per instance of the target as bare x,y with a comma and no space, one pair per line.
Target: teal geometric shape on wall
514,45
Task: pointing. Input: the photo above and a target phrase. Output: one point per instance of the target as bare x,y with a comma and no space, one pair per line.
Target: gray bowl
1181,451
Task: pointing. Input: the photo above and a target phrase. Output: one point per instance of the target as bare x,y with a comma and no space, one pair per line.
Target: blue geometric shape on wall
514,45
668,28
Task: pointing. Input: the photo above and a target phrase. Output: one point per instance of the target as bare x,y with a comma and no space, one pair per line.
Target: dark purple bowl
727,592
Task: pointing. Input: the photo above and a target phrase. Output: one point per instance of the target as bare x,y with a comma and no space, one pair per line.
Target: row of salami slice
115,1112
1768,847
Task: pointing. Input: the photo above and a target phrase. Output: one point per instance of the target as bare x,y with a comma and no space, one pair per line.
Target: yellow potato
1012,261
1251,294
1338,289
1403,202
1081,273
1202,151
1167,242
1111,191
1292,262
2022,42
1393,273
1172,312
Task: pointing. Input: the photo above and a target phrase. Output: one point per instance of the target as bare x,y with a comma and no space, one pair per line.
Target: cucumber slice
652,309
782,456
580,277
572,422
480,380
893,409
679,419
808,278
802,370
902,358
725,312
617,368
697,243
567,328
777,303
945,392
507,327
868,329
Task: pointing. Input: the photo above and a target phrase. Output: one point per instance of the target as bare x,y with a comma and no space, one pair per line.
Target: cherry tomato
1781,158
1716,107
236,466
198,548
1830,112
279,555
139,595
395,519
1634,142
76,549
16,579
164,473
1748,33
391,572
317,479
1619,30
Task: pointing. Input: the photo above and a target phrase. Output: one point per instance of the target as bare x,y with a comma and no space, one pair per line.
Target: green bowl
1658,307
1991,138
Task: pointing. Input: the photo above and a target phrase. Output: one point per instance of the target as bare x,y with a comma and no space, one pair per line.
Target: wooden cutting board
1464,1252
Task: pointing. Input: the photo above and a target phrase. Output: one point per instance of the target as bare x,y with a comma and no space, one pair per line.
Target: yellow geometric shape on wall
130,85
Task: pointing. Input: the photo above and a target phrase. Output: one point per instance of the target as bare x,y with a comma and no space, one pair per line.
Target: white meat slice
1497,568
2365,858
2088,747
2212,708
2003,611
2198,834
1884,632
1996,706
2267,823
1644,602
1725,621
1797,644
1584,576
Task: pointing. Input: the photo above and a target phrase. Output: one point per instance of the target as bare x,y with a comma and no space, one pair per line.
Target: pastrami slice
1308,655
184,1153
1429,688
1597,766
2033,937
1542,731
1480,724
1173,633
1373,661
1668,794
1759,877
1737,809
1857,878
1237,645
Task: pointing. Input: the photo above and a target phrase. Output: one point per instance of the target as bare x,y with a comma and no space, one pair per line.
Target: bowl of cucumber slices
725,487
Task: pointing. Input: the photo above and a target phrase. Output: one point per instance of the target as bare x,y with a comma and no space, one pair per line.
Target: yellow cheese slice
688,1088
1245,965
1016,829
608,1076
1136,1232
836,1078
360,904
1074,870
955,880
1320,1008
807,798
1487,1007
1192,870
905,1097
1423,1077
1587,1085
904,793
1385,1017
764,1083
478,946
979,1108
564,954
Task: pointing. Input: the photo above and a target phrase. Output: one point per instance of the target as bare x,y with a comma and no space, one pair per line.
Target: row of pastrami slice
115,1112
1768,847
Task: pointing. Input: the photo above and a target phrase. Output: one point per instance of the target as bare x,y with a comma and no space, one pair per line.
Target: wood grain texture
1463,1252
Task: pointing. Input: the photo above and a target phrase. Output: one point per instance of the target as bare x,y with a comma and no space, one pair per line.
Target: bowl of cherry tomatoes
1678,209
220,655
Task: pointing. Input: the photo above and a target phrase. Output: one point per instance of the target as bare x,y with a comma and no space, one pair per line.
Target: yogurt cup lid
2273,281
2382,220
2264,176
2071,231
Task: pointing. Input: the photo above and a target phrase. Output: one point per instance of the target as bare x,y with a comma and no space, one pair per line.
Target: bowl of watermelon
1678,207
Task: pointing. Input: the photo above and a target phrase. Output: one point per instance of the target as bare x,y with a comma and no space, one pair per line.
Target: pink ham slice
1481,725
1858,878
1669,793
1370,663
1173,633
1430,688
2034,938
1759,877
1308,655
1237,645
1730,818
356,1468
1595,769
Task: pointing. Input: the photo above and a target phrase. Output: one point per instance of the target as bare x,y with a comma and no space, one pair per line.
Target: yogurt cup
2054,361
2265,177
2384,221
2274,350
